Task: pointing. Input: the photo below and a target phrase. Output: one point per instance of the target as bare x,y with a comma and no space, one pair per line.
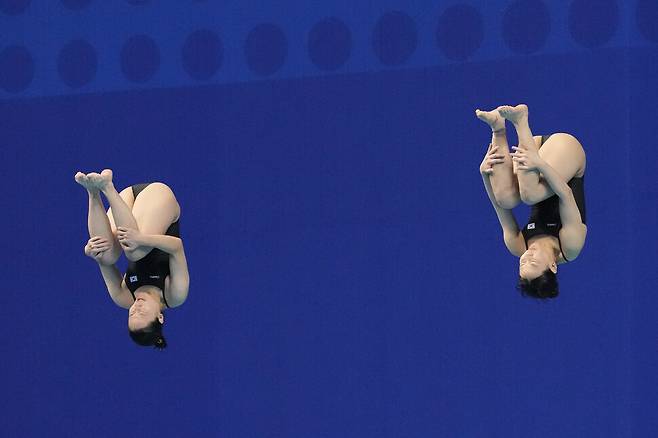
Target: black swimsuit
545,215
153,268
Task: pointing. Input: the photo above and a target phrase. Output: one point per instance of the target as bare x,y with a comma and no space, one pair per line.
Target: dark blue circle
647,19
329,44
77,63
203,54
394,38
140,58
13,7
460,32
593,26
16,69
265,48
526,26
76,4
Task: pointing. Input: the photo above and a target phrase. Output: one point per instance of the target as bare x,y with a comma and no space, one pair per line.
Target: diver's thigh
565,154
155,209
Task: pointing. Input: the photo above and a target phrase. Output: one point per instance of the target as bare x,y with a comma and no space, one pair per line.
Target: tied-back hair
543,287
150,335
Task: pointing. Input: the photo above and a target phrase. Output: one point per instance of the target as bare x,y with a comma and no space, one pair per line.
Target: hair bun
160,343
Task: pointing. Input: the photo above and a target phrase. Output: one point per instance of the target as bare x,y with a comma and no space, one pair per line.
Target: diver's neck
152,292
547,243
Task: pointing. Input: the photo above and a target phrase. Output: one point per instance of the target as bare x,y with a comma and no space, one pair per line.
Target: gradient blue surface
348,274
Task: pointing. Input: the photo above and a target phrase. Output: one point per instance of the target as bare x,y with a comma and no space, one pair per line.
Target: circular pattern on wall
16,69
593,26
265,49
140,58
394,38
460,32
202,54
646,15
526,26
77,63
329,44
14,7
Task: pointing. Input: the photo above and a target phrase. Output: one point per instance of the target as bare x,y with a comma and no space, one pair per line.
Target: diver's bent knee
134,255
529,198
508,200
508,203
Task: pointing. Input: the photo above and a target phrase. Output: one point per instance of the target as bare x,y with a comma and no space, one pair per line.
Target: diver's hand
526,158
129,238
491,158
96,247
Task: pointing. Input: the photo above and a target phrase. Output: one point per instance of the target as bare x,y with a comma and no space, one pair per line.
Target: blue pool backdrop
349,277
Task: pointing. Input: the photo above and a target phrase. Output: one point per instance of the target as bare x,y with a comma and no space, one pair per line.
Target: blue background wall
348,273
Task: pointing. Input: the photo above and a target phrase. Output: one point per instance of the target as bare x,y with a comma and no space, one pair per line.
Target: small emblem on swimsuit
531,226
551,225
154,276
133,278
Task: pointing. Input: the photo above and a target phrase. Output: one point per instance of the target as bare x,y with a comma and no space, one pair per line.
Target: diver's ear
553,268
161,318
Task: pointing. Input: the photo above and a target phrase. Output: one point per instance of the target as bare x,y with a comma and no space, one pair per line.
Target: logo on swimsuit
133,278
154,276
531,226
551,225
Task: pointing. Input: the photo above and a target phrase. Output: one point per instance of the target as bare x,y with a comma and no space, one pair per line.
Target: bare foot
84,181
106,176
101,181
514,114
491,118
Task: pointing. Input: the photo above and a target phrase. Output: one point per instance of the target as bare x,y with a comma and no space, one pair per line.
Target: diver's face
534,262
143,311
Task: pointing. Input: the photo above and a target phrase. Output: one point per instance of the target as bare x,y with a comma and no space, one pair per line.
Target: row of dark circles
16,7
459,34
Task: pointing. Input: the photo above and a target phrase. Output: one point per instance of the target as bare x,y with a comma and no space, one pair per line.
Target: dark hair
150,335
542,287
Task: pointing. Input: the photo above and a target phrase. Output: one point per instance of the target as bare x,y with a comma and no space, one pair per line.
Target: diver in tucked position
546,172
142,222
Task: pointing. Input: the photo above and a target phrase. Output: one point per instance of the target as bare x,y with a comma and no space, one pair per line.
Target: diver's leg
528,180
98,223
156,208
503,179
121,211
564,153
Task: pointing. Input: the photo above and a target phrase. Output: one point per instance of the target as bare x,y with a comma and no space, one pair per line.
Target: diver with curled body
547,173
143,223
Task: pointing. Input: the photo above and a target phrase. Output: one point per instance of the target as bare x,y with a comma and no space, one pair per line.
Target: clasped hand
129,238
491,159
96,247
526,158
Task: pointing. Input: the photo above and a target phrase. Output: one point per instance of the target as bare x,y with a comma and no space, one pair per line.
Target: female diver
546,172
142,221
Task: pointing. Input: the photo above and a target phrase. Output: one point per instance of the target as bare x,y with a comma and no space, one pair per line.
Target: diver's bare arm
556,182
179,277
115,286
168,244
573,231
136,245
